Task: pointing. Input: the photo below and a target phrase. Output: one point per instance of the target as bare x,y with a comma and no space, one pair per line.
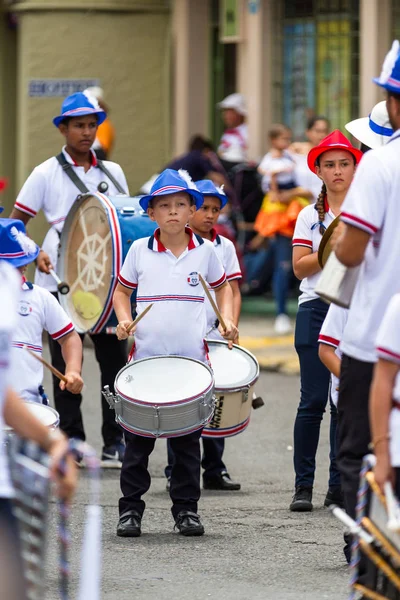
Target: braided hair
320,206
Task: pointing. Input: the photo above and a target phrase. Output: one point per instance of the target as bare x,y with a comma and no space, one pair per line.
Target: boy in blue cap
166,268
53,187
37,310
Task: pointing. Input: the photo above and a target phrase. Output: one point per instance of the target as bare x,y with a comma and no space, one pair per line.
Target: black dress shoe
129,524
302,500
222,481
188,523
334,496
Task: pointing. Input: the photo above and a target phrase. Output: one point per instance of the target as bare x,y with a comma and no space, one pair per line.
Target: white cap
373,131
96,91
234,101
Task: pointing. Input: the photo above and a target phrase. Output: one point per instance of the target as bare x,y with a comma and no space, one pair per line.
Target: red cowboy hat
334,141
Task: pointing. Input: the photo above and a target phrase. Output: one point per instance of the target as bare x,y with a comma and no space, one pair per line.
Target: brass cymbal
325,249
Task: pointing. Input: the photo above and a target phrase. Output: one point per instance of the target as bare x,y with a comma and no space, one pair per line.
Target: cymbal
325,249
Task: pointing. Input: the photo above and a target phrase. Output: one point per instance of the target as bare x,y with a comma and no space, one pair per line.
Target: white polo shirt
226,252
233,145
306,233
373,205
331,334
176,325
37,310
10,287
49,188
388,348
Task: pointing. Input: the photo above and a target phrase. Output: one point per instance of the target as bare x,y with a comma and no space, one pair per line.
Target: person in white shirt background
202,222
37,310
334,161
233,145
15,414
370,213
50,188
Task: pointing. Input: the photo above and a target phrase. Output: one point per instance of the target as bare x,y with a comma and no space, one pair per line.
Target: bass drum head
163,380
86,262
233,369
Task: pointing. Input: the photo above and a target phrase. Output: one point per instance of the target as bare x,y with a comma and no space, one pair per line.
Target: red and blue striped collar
215,238
73,162
26,285
156,245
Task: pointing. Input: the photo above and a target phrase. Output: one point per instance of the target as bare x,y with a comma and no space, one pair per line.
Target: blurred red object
3,183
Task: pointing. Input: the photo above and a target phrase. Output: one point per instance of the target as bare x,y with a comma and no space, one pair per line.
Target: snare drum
163,396
95,240
45,414
235,372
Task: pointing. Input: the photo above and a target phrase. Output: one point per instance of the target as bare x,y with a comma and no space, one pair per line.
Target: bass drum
95,240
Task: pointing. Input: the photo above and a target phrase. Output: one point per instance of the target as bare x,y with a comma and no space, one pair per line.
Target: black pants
212,463
111,355
353,425
185,473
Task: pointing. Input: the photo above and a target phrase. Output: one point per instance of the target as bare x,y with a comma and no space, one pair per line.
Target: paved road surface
254,548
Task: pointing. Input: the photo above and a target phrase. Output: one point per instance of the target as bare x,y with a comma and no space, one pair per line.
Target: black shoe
189,523
302,500
129,524
257,402
168,484
222,481
334,496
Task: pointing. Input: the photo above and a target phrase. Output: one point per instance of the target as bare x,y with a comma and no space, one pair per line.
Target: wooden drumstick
139,318
44,362
212,302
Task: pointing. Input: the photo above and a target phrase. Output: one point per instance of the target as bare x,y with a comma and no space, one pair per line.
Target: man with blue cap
370,213
53,187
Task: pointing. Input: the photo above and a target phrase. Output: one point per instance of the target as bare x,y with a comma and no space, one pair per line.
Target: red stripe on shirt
301,242
216,284
388,353
326,339
126,283
360,222
25,209
234,276
67,329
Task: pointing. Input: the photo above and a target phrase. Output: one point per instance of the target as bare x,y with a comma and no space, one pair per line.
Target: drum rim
210,387
9,429
248,384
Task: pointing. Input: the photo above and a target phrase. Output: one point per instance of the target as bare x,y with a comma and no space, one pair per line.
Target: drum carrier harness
67,167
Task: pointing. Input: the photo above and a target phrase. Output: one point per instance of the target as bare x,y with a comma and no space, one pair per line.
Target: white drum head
233,369
45,414
163,380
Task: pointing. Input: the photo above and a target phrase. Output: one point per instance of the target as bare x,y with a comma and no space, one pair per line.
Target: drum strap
79,183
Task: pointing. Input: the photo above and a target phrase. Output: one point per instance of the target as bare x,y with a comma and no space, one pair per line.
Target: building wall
123,44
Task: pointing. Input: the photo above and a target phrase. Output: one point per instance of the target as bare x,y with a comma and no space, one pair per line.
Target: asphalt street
254,548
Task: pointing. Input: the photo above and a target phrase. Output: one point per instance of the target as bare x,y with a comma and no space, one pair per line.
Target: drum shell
233,402
127,222
337,282
169,419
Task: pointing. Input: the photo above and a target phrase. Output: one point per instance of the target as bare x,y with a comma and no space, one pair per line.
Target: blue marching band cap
15,246
208,188
389,78
79,105
172,182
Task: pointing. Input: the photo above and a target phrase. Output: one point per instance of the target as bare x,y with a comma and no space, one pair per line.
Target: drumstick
62,286
212,302
139,318
55,371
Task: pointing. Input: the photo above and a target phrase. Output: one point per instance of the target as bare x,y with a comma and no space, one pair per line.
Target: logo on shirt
24,308
193,278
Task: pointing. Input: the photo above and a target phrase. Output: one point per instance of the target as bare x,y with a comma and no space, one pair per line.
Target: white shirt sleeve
302,231
365,204
56,320
333,326
231,263
128,276
31,198
388,338
216,273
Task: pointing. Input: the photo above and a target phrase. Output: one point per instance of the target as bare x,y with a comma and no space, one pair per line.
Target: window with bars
316,62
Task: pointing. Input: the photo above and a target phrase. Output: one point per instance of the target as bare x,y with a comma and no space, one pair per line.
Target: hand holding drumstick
224,297
124,328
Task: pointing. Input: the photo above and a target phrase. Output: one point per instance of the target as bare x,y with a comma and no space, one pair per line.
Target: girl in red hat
334,160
